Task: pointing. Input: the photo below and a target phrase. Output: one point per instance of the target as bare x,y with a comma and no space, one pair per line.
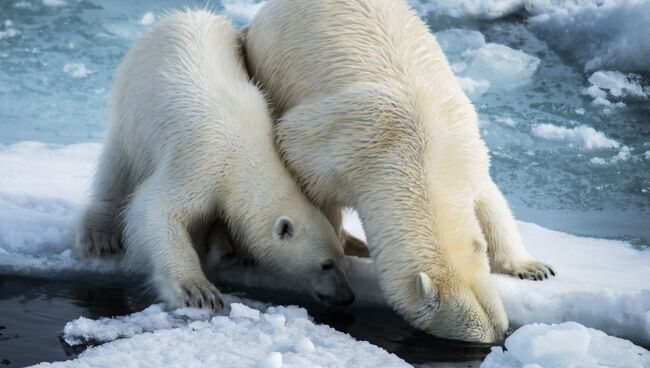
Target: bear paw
99,243
532,270
198,294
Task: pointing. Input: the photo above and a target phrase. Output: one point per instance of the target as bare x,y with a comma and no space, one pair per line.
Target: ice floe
565,345
273,337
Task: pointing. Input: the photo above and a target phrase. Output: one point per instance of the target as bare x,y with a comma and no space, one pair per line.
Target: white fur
190,141
371,117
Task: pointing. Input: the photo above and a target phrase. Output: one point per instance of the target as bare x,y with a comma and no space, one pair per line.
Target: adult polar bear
190,140
371,117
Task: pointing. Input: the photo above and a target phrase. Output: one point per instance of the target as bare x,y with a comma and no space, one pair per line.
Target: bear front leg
506,252
158,235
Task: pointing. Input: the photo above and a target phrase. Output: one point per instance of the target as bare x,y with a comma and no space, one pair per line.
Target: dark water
33,313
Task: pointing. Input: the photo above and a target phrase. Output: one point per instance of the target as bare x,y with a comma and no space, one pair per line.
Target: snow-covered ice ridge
601,284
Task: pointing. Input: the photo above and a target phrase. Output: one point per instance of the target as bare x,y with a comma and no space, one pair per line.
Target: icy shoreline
601,284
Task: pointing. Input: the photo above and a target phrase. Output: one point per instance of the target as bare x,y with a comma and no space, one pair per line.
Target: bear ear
427,290
283,228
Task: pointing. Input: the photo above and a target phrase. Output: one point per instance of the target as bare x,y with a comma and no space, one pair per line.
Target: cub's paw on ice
530,270
194,293
98,243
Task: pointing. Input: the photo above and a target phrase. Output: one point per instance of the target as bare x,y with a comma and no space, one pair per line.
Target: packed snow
255,336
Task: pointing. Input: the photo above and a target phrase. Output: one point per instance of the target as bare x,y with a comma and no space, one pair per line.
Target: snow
274,360
583,135
601,284
481,66
155,337
76,70
238,310
565,345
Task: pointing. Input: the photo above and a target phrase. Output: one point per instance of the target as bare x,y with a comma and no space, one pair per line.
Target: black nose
347,301
336,301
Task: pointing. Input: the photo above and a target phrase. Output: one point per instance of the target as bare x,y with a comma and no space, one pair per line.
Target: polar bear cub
190,141
372,117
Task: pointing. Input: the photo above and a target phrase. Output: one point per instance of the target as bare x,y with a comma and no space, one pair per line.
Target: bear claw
532,270
200,294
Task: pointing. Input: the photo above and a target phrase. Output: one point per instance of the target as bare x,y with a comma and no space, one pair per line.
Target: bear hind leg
99,229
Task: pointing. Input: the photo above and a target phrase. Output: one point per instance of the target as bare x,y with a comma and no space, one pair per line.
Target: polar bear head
297,247
306,251
454,308
447,294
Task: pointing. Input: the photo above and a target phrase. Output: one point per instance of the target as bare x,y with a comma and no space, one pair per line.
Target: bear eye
327,265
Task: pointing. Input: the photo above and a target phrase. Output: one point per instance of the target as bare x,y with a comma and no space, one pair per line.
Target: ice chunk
565,345
459,8
276,320
238,310
473,88
54,3
593,33
617,84
241,11
274,360
154,335
546,345
76,70
502,66
480,66
456,41
9,32
147,19
584,135
125,31
304,345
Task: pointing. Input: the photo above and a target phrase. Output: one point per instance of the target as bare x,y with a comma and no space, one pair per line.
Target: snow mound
160,338
565,345
480,66
583,135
